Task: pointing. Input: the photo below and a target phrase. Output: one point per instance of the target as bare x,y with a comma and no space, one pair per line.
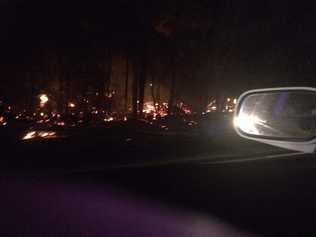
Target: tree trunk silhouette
152,90
67,92
31,87
126,84
108,73
135,93
172,92
142,82
135,88
104,86
173,85
60,76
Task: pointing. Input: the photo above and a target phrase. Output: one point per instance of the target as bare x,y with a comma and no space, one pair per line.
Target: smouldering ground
101,148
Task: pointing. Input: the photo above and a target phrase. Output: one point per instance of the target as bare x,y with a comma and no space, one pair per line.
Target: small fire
154,109
149,108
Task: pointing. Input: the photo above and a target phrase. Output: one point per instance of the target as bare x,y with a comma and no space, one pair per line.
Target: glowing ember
47,135
230,106
211,107
61,123
2,121
71,105
40,134
109,119
43,99
110,94
184,108
29,135
192,123
44,134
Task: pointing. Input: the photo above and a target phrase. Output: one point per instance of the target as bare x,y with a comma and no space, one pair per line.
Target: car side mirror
283,117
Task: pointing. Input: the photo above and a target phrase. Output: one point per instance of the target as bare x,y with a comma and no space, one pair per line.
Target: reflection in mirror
278,114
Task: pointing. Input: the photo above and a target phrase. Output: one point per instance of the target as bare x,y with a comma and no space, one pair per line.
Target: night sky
233,45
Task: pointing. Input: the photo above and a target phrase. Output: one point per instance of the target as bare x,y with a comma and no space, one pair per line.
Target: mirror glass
280,115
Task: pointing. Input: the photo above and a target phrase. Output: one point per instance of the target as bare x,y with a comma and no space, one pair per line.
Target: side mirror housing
283,117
